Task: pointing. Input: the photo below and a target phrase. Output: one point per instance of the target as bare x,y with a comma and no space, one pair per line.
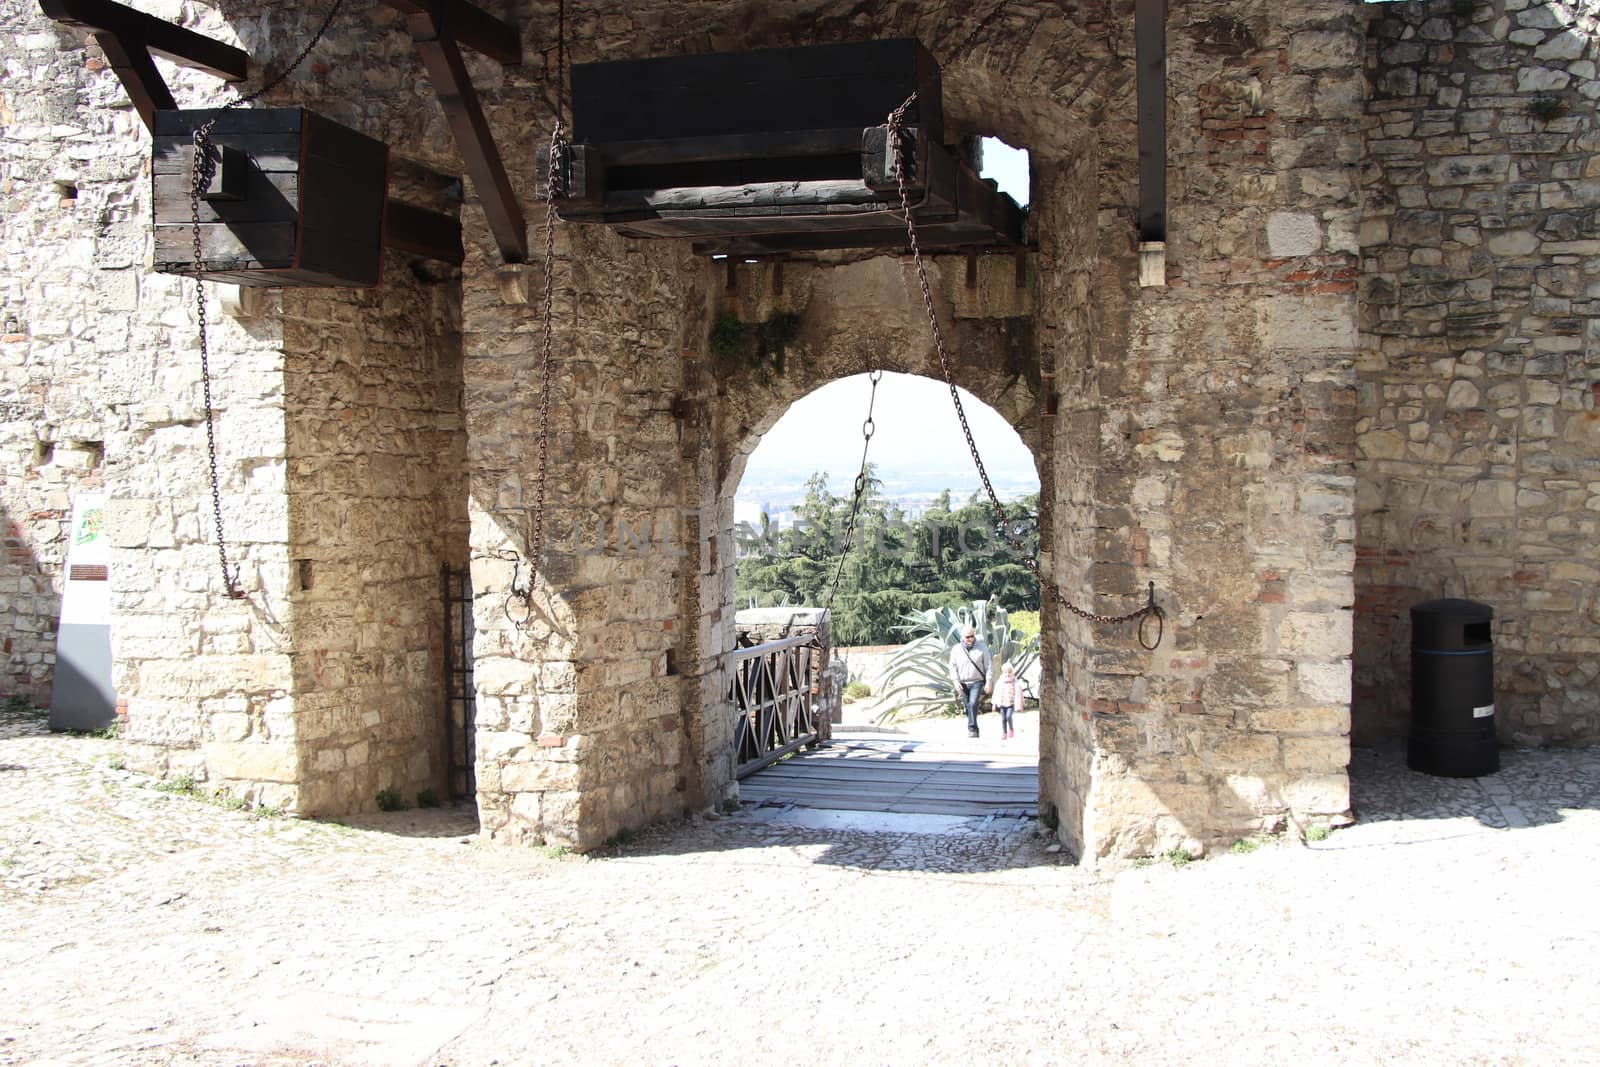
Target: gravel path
1456,923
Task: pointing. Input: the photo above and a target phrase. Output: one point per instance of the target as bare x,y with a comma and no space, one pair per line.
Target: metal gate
774,701
460,708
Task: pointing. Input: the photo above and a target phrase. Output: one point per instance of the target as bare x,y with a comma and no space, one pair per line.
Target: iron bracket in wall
1150,48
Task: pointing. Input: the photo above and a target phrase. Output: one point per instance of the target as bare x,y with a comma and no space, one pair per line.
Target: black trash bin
1452,690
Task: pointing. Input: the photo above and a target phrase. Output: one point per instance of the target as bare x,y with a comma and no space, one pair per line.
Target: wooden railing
774,698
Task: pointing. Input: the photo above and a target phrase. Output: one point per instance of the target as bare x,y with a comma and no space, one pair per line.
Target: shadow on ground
459,819
1532,787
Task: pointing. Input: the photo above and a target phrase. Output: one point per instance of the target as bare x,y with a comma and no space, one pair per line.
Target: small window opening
1008,166
44,453
91,453
67,190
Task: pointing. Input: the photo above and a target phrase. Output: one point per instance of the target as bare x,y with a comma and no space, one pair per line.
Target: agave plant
921,670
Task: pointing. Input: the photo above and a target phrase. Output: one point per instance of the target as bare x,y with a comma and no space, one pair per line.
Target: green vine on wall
760,347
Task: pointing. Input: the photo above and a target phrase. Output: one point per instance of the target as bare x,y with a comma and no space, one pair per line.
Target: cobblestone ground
1456,923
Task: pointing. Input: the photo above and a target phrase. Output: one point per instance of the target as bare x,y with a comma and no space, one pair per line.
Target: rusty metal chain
230,578
536,535
518,591
868,428
555,179
205,167
1002,522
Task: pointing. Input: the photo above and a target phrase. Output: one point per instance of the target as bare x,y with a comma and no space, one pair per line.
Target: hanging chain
1002,523
868,428
555,179
205,167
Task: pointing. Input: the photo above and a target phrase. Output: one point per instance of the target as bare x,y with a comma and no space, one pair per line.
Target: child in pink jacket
1008,698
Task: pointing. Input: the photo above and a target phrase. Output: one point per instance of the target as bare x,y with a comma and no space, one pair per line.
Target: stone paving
1453,923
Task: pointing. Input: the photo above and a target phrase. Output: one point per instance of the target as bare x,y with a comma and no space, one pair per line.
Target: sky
1008,166
916,429
916,437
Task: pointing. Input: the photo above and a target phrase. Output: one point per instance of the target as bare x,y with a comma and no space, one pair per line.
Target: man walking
969,665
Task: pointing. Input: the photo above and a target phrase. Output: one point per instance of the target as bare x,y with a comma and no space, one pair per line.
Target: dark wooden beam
431,234
476,144
128,37
137,72
439,28
1150,50
163,38
466,24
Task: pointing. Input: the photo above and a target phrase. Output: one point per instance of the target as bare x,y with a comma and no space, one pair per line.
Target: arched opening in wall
901,573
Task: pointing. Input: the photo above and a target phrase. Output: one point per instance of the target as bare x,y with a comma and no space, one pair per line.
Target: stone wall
62,192
1203,435
1205,442
580,718
349,394
1480,362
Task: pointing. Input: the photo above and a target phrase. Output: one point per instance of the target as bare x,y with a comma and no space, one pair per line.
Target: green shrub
390,800
922,668
1027,622
178,783
857,691
427,799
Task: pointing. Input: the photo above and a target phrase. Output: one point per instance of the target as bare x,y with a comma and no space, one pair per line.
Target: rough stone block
1293,233
251,761
1318,794
1327,683
1317,635
1308,324
230,726
1321,755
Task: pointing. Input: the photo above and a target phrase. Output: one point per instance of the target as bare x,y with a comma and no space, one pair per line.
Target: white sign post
82,697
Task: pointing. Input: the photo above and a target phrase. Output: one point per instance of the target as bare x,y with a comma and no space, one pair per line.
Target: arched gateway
1190,405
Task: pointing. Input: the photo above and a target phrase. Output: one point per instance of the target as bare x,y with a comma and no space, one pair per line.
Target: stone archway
862,314
1199,439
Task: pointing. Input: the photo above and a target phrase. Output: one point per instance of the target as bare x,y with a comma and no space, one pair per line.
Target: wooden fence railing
774,698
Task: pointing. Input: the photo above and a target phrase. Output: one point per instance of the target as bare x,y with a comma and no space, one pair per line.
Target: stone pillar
582,729
1205,442
208,680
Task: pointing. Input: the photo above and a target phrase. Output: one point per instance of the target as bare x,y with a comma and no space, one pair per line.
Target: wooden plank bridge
928,777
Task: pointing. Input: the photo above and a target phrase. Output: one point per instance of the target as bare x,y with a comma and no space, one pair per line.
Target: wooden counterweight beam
438,28
128,38
430,234
466,24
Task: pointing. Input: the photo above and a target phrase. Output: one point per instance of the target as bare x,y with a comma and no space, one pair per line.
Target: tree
950,557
